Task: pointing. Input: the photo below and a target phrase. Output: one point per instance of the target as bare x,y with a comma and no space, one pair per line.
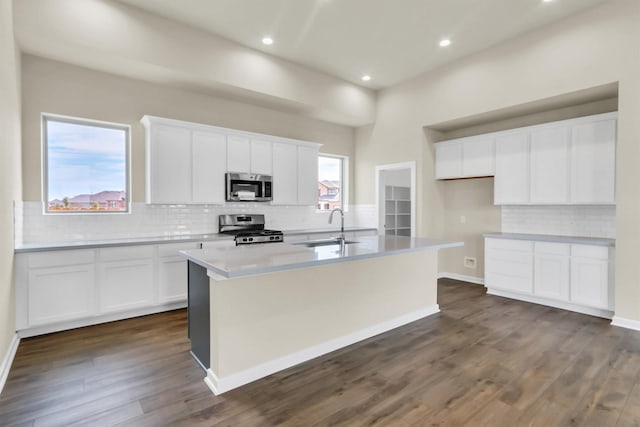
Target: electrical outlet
463,219
469,262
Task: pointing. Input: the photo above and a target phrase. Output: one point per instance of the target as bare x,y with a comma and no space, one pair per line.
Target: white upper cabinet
238,154
307,175
209,158
261,157
550,165
449,160
511,185
285,174
187,162
185,165
168,164
593,162
465,157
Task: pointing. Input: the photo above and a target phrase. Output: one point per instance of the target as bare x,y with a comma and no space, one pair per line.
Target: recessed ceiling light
445,42
547,1
267,40
366,77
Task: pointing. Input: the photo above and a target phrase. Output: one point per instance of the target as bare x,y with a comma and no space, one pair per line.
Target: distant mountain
100,197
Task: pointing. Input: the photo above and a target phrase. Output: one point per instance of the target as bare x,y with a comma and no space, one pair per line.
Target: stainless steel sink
324,242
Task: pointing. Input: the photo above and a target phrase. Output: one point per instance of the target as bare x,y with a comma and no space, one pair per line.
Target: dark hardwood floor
483,361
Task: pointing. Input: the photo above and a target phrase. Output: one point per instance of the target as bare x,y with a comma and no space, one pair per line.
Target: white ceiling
392,40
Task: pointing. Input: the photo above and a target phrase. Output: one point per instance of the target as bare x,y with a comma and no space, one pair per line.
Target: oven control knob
251,239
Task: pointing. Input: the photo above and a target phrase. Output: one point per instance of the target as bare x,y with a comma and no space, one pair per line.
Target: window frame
44,119
344,182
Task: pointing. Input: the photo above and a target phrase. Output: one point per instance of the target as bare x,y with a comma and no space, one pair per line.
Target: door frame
411,165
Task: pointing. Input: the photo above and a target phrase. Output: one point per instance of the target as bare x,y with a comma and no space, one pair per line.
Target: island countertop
228,261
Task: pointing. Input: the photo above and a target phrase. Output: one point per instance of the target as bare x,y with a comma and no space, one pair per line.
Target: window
85,166
332,178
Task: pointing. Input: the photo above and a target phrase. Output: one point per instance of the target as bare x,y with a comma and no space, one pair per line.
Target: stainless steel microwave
248,187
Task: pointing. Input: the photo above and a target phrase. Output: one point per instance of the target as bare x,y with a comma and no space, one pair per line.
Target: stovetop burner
258,236
248,229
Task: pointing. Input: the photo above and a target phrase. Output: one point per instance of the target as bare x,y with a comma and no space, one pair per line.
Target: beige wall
59,88
112,36
595,48
9,168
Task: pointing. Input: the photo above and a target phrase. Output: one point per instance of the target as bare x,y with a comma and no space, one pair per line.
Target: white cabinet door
169,165
285,174
172,272
307,175
125,278
509,265
551,270
511,185
238,154
60,293
593,162
478,157
448,160
209,161
590,276
261,157
550,166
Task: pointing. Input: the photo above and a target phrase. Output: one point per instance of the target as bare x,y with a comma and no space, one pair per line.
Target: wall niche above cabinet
568,162
186,163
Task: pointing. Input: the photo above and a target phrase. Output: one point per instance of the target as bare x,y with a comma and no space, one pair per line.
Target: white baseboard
462,277
7,361
104,318
221,385
625,323
598,312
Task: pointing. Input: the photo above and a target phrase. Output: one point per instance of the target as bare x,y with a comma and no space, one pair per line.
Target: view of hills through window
86,166
329,183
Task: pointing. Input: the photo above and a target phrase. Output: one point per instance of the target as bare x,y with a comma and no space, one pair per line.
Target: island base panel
265,323
199,323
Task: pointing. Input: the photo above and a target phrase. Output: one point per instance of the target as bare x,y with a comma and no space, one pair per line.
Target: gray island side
258,309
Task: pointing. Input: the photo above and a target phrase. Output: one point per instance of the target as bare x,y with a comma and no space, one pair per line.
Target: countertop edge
158,240
595,241
315,263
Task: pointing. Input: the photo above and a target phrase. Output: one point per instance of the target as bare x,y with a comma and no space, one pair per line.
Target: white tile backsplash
587,221
33,226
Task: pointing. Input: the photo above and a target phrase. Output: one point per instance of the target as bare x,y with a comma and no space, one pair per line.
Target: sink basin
324,242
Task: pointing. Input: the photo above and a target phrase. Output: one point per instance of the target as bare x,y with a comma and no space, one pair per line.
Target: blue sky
84,159
328,168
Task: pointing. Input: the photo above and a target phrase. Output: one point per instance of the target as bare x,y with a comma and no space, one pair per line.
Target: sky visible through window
328,168
329,182
84,161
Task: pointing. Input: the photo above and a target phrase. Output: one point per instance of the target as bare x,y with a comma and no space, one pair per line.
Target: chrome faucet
341,236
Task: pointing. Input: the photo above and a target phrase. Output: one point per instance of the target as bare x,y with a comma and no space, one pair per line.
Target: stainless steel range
248,229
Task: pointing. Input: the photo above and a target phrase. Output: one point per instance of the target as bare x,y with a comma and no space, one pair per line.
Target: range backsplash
587,221
32,226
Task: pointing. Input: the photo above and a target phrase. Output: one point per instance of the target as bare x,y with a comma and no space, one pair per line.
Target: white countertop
133,241
239,261
597,241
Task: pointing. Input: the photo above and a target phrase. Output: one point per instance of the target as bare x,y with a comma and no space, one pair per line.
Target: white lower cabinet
590,276
509,265
60,293
58,288
125,278
172,272
576,277
551,270
63,289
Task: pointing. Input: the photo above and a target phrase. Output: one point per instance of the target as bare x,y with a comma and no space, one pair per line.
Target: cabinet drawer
125,253
172,249
509,283
552,248
590,251
510,245
61,258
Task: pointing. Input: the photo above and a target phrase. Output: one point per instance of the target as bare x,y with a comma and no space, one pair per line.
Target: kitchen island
258,309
